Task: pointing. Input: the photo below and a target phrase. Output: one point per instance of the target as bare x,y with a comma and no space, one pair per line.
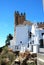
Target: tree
9,37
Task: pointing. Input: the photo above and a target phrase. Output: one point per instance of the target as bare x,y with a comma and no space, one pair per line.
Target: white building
28,36
24,41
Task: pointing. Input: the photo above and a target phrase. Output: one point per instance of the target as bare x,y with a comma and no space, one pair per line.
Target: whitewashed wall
22,34
29,28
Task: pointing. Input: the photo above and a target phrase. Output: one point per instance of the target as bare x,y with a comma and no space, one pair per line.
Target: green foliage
7,54
9,37
5,49
31,64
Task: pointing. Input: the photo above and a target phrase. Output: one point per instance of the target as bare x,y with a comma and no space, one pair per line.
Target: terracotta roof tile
41,25
27,22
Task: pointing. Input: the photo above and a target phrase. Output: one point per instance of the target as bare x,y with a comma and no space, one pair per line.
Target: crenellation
19,18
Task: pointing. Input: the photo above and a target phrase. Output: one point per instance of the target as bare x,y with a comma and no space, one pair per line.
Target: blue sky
32,8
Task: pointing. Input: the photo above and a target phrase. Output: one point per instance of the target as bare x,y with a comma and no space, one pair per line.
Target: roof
41,25
27,22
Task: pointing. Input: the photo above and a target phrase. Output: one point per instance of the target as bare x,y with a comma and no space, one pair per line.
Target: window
28,45
16,47
29,34
20,41
42,34
41,43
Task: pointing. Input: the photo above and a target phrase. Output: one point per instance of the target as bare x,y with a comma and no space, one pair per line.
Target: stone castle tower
19,18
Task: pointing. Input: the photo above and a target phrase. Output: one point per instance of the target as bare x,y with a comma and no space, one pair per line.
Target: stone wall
40,59
19,18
